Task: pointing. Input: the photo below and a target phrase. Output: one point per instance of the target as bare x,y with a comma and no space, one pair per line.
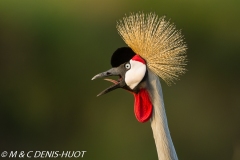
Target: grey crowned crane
155,49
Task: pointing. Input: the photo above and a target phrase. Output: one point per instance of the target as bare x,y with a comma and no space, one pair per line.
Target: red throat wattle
142,106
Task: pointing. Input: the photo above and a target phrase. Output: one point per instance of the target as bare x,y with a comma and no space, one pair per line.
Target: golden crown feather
157,41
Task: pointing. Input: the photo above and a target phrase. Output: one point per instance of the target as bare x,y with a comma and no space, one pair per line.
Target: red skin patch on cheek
142,106
139,59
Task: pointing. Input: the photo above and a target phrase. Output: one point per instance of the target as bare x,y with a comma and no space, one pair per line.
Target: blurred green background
50,50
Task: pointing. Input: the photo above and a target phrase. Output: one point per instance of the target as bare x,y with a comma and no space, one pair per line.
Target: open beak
117,83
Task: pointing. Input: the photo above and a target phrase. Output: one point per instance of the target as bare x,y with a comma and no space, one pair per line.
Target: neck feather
162,137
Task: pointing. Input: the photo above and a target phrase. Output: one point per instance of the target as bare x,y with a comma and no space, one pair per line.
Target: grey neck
162,137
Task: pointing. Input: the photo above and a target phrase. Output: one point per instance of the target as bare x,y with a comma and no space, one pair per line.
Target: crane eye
127,66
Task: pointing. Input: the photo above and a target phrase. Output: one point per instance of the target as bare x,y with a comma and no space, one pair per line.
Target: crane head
130,67
131,70
154,46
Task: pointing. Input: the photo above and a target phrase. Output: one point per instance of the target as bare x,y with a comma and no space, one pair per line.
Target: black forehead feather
121,55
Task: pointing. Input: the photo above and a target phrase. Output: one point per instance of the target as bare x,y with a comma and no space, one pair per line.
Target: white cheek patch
134,76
